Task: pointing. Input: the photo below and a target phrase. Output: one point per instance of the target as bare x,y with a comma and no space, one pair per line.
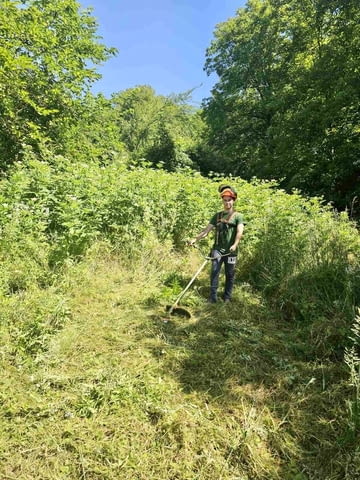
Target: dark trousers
229,262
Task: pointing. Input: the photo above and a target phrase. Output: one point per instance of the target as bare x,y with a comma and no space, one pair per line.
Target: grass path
121,392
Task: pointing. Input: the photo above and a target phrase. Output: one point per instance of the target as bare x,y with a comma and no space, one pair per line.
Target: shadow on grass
226,342
242,352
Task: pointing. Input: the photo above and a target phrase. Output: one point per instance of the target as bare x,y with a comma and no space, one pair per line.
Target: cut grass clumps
120,393
99,383
32,318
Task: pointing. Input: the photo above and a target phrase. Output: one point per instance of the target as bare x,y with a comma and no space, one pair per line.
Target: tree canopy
48,53
158,129
286,105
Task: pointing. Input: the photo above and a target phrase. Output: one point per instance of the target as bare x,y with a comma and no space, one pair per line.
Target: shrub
301,254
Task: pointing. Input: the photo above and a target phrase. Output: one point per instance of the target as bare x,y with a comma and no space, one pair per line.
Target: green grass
118,390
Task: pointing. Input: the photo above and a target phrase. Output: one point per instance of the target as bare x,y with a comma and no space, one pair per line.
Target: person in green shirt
229,226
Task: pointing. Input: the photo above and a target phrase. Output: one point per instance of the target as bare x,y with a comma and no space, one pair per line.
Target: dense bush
301,254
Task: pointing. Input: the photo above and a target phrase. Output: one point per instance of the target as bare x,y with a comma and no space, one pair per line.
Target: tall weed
352,359
301,254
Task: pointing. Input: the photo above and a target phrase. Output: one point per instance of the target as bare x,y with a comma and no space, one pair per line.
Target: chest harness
223,224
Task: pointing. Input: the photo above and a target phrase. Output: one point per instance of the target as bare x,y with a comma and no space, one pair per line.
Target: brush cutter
175,309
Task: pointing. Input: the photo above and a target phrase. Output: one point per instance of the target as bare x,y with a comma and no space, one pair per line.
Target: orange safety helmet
227,190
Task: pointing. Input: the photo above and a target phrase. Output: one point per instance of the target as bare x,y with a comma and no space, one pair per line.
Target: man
229,227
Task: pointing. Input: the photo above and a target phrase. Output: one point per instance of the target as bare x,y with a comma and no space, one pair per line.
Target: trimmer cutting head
179,311
175,309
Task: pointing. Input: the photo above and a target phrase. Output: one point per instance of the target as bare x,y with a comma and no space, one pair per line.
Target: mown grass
119,390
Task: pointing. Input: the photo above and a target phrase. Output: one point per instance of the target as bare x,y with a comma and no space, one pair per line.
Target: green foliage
156,129
72,204
285,105
47,53
303,256
352,358
93,135
24,247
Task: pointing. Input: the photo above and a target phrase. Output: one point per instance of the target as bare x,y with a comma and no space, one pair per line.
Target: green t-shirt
225,232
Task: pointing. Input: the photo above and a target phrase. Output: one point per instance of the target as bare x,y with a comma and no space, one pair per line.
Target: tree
93,136
286,103
48,51
156,129
248,55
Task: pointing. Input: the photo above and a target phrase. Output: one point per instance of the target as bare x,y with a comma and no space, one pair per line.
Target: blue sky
160,43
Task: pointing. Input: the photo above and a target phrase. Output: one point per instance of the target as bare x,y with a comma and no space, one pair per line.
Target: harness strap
223,220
